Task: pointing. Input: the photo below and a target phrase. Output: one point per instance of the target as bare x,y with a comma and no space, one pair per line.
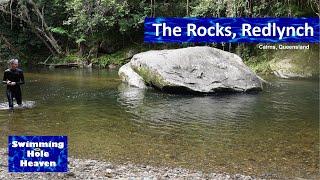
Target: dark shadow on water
180,90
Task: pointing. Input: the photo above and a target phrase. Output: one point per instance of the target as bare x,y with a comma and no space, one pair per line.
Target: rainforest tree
35,29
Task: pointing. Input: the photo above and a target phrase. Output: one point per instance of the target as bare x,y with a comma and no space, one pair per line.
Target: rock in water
132,78
296,63
193,69
287,68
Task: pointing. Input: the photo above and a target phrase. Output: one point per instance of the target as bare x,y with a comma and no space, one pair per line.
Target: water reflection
130,97
163,108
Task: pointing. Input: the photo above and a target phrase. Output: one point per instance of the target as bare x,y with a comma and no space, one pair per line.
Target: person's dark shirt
13,76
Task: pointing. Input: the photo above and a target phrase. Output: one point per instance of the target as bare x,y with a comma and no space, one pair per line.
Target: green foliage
80,40
105,60
117,58
70,58
245,8
101,30
59,30
95,20
260,63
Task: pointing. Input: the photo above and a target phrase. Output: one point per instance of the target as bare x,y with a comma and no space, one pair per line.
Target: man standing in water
13,78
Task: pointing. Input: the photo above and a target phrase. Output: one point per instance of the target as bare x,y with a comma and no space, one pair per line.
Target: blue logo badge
38,153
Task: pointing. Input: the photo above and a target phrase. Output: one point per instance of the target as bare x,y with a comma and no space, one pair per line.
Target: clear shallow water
25,105
273,134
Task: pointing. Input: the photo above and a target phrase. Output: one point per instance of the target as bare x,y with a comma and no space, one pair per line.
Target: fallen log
66,65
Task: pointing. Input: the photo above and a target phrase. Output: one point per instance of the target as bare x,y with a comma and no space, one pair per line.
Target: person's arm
4,80
21,79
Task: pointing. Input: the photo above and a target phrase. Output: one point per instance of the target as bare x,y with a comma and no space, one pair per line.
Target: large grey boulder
194,69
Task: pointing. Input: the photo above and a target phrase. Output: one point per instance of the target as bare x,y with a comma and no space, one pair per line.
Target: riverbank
93,169
296,63
285,63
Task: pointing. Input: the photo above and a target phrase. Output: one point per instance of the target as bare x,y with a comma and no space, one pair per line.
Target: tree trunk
154,8
187,7
42,32
45,29
250,8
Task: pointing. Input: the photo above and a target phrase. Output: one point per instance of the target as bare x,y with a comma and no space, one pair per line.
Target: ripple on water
25,105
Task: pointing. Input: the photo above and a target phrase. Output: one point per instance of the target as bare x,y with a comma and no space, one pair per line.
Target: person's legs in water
10,98
17,95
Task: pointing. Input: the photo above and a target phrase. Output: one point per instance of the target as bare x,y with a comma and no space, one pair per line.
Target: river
272,134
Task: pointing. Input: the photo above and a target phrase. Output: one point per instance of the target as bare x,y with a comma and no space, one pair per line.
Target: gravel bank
93,169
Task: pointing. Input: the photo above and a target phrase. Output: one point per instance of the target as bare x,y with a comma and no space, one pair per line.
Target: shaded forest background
109,32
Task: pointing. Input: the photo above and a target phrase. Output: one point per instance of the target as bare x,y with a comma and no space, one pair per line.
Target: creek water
272,134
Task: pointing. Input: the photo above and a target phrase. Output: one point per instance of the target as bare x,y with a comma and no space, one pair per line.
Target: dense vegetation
107,32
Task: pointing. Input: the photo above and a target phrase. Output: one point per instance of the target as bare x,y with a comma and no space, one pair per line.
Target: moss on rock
151,77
